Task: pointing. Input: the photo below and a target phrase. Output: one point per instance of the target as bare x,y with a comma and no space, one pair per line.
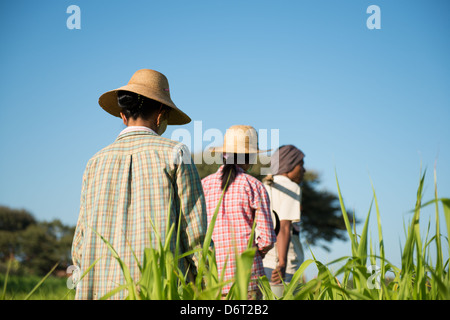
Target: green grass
417,278
19,287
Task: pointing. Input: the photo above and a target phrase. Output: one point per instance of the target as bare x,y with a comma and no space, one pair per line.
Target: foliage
418,277
34,246
321,214
20,287
12,222
15,219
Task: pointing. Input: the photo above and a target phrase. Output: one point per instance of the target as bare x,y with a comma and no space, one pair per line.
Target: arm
192,206
283,240
77,244
288,209
264,224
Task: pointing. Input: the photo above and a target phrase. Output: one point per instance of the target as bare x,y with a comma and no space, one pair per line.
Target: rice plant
418,278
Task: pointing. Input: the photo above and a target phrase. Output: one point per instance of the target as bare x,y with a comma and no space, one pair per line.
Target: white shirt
285,196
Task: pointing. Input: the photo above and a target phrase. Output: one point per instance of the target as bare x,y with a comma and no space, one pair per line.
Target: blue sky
370,104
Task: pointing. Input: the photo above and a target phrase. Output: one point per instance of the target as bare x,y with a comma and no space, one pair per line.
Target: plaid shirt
132,181
244,201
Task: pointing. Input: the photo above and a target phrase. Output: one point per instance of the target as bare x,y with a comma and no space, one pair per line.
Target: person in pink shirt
245,200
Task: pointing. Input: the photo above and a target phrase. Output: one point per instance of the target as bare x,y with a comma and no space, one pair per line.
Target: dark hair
229,171
137,106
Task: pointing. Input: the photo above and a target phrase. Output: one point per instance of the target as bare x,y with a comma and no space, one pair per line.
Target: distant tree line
33,246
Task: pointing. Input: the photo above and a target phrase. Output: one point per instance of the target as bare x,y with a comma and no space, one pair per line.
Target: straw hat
150,84
240,139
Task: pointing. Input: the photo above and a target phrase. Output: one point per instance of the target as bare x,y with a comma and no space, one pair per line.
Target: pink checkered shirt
246,199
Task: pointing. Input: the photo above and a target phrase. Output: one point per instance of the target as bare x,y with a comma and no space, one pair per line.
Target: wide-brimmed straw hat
148,83
240,139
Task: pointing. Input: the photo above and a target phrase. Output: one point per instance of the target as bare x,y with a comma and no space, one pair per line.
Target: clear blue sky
368,103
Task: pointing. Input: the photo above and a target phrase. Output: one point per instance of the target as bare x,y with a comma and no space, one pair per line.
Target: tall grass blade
41,282
362,247
290,289
243,273
446,205
132,291
439,258
346,220
114,292
85,273
380,235
6,280
264,286
413,236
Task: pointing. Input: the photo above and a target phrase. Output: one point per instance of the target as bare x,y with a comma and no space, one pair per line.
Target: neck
244,167
290,177
141,123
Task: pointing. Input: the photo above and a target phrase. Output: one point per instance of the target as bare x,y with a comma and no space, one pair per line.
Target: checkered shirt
135,180
244,201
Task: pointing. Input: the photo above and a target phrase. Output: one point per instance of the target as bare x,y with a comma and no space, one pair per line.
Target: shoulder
135,142
285,190
166,144
210,178
287,183
143,138
253,183
252,180
207,179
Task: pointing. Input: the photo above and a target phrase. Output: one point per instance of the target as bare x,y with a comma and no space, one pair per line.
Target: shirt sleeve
265,232
77,244
192,205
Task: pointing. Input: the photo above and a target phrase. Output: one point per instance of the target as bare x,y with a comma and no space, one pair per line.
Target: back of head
285,159
229,171
137,106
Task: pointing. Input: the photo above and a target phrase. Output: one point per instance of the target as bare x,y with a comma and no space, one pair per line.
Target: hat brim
108,101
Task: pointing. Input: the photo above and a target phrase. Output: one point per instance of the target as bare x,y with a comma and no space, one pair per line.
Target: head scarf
285,159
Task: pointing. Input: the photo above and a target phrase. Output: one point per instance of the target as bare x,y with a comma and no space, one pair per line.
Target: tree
321,219
44,244
36,246
12,222
15,219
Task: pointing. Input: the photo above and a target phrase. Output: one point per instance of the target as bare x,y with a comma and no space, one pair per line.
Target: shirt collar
136,128
239,169
282,178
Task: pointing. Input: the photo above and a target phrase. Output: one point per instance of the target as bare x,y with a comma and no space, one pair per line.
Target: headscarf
285,159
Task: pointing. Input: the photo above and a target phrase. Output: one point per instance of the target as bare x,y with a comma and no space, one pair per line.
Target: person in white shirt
283,187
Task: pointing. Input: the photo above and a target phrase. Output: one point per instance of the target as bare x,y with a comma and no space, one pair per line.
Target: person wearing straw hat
285,194
245,201
139,183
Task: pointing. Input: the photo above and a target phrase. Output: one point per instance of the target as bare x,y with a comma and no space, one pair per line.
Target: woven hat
148,83
240,139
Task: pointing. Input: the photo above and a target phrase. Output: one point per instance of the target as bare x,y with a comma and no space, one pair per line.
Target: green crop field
417,278
18,287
